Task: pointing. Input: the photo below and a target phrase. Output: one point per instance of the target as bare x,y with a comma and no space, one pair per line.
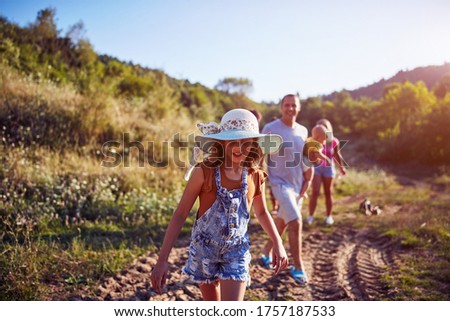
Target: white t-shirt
286,166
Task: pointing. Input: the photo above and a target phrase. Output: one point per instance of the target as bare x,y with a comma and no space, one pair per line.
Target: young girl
228,183
324,173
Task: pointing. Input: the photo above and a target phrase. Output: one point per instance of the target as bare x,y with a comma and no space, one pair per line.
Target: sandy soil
342,262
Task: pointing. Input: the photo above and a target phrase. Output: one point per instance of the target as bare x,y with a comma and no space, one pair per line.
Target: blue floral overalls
220,245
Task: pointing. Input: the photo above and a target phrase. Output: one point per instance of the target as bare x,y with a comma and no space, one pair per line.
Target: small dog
376,210
366,208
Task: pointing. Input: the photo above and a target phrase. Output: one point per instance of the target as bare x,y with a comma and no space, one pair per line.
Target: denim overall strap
234,204
220,247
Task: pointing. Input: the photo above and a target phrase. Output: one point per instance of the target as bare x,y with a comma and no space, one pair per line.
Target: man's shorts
290,202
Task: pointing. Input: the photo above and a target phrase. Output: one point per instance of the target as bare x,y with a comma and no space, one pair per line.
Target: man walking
286,180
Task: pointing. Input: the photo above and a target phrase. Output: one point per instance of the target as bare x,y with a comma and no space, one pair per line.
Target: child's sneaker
298,275
309,219
329,220
267,261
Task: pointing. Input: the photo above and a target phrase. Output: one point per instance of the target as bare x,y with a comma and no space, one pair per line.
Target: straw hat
238,124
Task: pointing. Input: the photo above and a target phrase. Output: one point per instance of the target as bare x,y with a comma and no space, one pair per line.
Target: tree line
410,122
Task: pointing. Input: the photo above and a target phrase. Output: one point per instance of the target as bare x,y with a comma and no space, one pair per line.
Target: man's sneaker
329,220
298,275
267,261
309,219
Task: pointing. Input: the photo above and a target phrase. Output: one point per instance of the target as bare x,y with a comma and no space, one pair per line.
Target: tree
443,87
45,26
232,85
401,119
76,32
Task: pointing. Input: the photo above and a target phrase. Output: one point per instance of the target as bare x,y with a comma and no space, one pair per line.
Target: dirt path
343,263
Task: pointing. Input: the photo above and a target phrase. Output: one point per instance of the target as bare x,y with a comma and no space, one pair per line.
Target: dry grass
66,221
415,214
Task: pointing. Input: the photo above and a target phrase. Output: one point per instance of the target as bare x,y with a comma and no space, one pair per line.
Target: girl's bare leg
232,290
328,191
210,291
316,183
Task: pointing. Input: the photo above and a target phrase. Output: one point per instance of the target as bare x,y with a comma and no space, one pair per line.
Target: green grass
416,281
62,228
30,270
62,231
421,228
72,257
357,182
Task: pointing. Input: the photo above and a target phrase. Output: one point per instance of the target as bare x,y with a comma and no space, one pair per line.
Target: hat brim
269,143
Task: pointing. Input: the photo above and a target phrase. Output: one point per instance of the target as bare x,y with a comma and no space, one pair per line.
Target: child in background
313,149
325,173
227,187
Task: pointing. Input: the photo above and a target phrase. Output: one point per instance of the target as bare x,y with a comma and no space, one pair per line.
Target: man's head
290,105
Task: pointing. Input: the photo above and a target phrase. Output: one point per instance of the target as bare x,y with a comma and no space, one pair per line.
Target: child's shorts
210,261
325,171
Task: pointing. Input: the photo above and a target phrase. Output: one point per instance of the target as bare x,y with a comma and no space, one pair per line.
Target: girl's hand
159,275
280,259
343,171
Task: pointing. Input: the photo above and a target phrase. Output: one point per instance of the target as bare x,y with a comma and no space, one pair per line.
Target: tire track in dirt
342,264
327,258
349,265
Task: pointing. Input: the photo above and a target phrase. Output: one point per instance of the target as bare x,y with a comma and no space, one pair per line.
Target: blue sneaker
298,275
267,261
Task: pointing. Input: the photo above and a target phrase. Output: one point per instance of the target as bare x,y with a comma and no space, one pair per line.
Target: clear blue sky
311,47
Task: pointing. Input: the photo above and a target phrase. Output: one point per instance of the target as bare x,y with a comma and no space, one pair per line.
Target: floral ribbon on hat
209,128
197,154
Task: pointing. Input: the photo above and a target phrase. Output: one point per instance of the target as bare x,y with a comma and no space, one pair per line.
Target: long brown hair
216,151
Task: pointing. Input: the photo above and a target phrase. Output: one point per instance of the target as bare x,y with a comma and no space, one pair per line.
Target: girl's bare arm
339,159
190,194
